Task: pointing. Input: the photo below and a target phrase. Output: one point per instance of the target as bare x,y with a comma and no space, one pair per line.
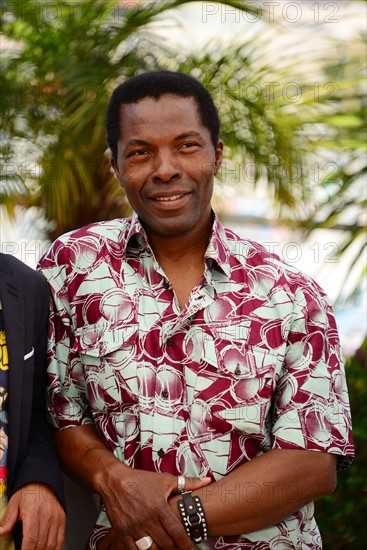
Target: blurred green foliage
57,79
342,516
60,66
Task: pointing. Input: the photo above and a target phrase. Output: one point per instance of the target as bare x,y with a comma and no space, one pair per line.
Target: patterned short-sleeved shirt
251,363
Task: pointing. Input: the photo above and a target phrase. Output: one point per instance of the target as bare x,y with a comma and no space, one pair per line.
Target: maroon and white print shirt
251,363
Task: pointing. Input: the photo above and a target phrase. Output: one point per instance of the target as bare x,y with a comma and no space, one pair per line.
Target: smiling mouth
172,198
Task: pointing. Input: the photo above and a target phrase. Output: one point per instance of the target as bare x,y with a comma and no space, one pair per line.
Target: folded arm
136,501
265,490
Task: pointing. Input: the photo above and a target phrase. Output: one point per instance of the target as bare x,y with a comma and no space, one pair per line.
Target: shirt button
160,453
237,371
169,342
164,394
166,286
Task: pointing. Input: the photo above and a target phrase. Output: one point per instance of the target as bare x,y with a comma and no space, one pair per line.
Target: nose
166,168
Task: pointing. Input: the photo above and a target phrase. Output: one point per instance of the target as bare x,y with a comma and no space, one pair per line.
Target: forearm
136,501
265,490
85,458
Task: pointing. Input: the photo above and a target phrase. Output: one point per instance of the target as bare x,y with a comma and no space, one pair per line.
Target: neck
182,260
178,248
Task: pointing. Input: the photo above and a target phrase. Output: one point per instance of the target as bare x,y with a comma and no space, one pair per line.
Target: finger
10,518
192,483
111,541
55,536
126,543
61,532
170,533
59,539
162,524
31,539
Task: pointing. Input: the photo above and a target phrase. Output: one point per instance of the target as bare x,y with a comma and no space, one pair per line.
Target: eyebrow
136,141
190,133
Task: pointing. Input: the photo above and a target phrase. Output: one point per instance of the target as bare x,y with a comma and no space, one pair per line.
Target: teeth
173,198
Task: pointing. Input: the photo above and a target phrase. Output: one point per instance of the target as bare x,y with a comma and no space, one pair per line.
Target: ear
115,167
218,156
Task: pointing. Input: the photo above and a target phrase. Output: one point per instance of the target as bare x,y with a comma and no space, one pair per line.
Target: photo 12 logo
292,251
290,12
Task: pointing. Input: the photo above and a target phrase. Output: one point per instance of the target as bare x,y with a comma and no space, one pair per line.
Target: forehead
155,115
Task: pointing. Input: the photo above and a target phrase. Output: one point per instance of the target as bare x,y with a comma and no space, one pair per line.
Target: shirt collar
137,233
217,250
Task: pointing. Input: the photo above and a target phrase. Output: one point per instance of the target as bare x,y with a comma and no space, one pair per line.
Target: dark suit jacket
25,301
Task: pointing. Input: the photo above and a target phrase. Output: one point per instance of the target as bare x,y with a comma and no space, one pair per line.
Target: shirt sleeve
66,384
311,409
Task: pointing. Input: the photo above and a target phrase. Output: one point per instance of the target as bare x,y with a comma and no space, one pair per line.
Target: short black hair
155,84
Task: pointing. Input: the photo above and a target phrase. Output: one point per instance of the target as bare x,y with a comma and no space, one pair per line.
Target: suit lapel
11,293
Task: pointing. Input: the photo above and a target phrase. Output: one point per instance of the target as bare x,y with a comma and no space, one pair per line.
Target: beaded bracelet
193,517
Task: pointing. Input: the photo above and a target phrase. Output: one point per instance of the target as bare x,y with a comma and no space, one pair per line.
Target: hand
43,517
139,506
111,542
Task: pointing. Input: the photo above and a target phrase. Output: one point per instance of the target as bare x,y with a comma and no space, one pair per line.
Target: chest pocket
107,353
104,338
241,390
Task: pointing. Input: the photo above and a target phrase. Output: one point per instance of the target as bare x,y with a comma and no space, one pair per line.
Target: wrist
109,467
192,516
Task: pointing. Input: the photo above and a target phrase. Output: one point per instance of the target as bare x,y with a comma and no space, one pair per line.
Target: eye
139,152
189,145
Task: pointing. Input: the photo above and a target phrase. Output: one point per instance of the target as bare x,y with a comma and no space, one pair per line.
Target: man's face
166,162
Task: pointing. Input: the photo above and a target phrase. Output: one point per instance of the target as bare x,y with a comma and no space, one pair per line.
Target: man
29,472
180,349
